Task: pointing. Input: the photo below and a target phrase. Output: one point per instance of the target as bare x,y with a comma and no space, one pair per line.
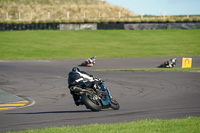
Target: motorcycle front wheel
88,101
114,105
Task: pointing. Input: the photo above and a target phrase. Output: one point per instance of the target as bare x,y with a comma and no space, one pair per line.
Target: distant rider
91,61
84,80
171,63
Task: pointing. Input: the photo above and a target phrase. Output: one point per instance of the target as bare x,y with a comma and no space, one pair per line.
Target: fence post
188,14
142,14
163,14
49,15
119,14
68,15
84,15
6,15
31,16
99,15
19,15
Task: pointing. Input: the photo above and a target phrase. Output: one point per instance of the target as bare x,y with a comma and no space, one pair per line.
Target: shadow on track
55,112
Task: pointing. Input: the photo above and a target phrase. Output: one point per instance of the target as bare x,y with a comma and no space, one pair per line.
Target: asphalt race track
141,95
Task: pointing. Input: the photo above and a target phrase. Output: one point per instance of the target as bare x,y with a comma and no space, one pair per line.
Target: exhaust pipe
76,89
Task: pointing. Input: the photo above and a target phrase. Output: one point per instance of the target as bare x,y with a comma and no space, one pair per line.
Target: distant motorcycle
89,62
168,64
96,100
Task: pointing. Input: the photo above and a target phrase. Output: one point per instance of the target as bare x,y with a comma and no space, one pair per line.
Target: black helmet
76,69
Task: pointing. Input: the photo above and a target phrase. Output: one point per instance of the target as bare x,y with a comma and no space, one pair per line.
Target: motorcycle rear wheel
89,103
84,63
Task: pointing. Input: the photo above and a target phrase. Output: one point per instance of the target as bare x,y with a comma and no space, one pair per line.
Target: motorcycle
89,62
96,100
168,64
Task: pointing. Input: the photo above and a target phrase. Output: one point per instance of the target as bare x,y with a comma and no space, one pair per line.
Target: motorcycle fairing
105,101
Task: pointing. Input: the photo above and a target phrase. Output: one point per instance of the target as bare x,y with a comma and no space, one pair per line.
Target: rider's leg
76,98
89,65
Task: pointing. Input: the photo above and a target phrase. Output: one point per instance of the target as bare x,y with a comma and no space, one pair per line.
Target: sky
160,7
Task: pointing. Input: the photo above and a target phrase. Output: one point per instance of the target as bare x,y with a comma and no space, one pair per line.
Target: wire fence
75,12
59,15
62,16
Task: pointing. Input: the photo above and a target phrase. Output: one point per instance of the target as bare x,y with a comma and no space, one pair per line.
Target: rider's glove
95,87
96,79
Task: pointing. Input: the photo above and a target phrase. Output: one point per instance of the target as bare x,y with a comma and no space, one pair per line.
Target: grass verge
187,125
193,69
50,44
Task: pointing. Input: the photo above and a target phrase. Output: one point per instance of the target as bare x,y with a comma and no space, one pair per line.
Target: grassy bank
187,125
102,43
37,11
27,11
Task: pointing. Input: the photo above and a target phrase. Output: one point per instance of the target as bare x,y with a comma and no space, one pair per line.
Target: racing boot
78,102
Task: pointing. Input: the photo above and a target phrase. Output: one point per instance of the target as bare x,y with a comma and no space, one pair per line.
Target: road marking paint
12,105
6,105
7,108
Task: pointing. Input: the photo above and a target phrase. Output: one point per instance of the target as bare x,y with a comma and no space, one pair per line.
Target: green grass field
102,43
187,125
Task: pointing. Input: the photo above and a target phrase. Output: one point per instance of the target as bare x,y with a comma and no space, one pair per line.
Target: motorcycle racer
84,80
168,64
89,62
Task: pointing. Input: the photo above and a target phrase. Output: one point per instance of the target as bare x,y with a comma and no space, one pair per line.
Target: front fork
104,88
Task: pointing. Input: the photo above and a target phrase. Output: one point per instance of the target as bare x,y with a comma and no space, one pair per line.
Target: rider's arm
86,76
